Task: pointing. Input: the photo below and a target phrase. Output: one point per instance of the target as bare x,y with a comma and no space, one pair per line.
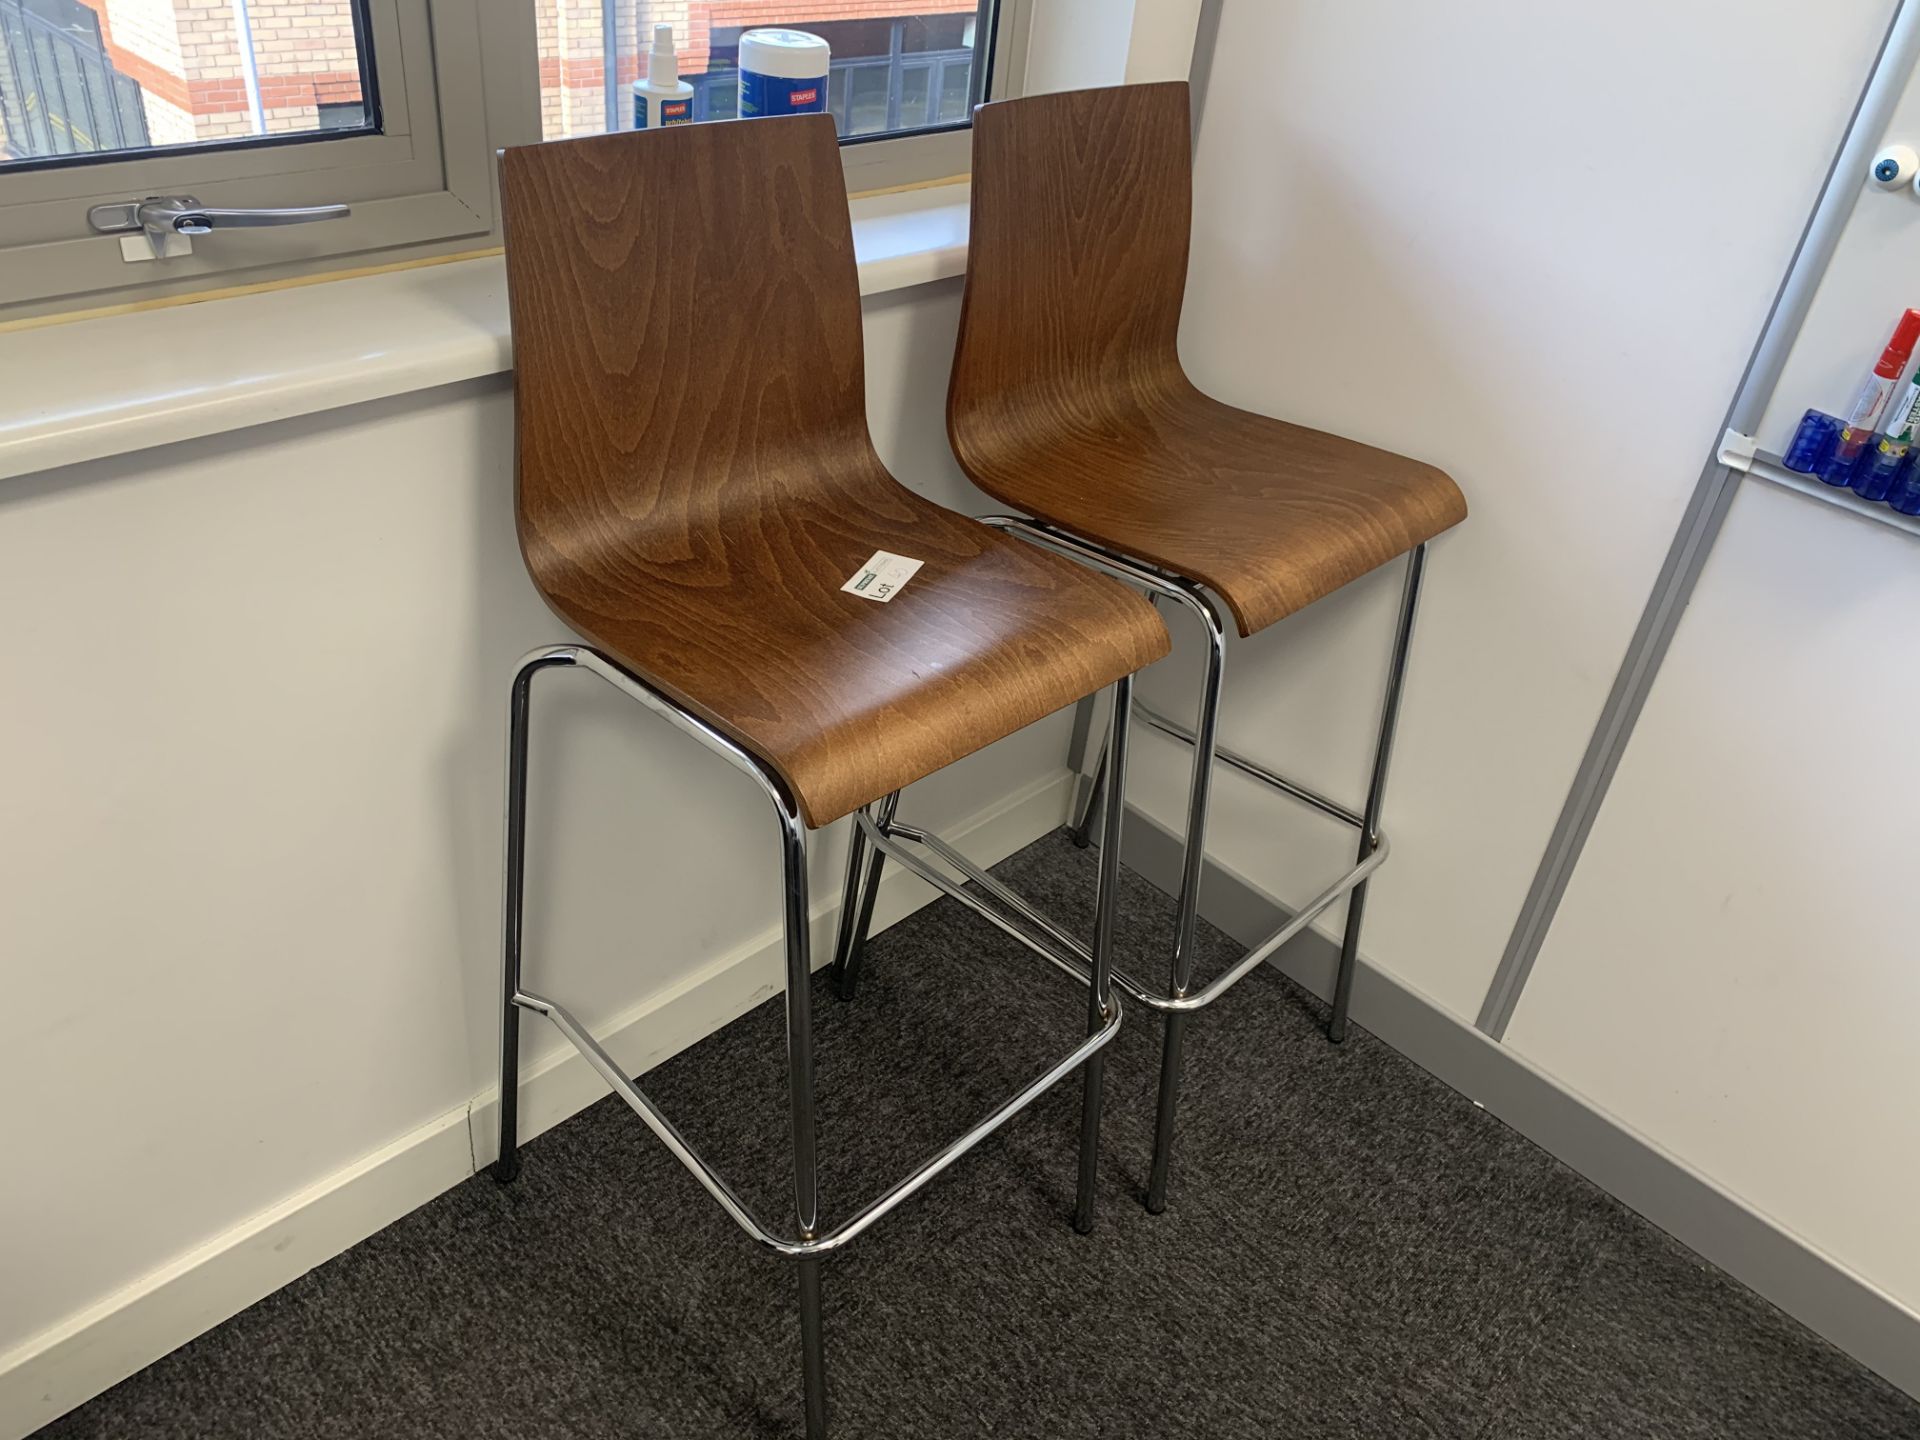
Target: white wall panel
1734,970
1532,244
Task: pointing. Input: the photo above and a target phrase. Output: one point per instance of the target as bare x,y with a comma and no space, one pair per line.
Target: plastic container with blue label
782,72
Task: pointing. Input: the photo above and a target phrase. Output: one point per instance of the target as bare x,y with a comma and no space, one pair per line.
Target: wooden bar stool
1068,401
699,499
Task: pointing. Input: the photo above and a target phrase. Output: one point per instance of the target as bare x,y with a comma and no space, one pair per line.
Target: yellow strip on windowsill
228,292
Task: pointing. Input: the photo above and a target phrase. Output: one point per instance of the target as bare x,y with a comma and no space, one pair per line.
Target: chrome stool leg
507,1166
1180,998
809,1246
856,900
813,1349
1082,825
859,856
1100,992
1187,911
806,1190
1376,790
1087,807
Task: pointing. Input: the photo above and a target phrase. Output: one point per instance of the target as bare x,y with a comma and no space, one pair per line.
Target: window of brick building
87,79
912,66
152,147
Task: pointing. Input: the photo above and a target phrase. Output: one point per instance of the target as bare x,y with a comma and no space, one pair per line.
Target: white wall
1734,969
1532,244
1077,43
1535,245
1744,911
251,858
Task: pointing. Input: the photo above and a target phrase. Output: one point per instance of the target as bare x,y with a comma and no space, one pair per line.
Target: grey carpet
1352,1249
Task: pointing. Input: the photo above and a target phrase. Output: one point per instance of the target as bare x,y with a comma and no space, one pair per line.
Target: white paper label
882,577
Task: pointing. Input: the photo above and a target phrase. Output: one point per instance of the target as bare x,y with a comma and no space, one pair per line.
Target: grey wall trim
1705,514
1815,1289
1206,41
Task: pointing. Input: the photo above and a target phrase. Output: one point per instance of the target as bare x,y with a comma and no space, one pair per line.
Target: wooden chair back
1082,205
687,354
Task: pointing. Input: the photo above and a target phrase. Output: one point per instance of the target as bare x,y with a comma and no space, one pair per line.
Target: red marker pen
1871,403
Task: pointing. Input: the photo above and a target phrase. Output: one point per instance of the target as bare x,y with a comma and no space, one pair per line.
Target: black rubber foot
1081,841
1336,1037
1153,1209
1080,1228
506,1169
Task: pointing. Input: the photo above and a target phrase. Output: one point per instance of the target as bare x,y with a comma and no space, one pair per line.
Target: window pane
84,78
889,73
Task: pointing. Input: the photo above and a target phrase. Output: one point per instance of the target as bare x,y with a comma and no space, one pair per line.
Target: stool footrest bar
1045,938
1033,929
1253,768
723,1193
656,1119
1304,917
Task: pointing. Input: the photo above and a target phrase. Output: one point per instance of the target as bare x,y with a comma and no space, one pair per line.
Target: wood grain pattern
696,480
1068,398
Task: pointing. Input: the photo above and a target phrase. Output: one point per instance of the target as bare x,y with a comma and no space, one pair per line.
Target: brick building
187,60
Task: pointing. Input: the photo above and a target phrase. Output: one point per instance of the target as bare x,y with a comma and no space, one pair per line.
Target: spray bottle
663,98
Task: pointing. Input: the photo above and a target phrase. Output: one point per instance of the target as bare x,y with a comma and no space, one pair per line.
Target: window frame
427,178
456,81
882,162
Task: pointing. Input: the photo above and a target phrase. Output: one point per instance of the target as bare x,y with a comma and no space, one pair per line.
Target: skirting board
89,1352
1814,1288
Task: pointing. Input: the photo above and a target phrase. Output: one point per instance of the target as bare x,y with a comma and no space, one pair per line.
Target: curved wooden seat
696,480
1068,398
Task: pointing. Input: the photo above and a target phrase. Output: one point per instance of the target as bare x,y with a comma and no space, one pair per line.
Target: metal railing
59,93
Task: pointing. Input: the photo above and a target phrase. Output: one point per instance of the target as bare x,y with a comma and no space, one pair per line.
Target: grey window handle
162,215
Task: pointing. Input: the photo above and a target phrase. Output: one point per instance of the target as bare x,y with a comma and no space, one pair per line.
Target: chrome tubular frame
856,902
873,824
1178,1000
1003,908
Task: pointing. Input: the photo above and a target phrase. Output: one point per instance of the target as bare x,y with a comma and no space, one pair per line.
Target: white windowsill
122,383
